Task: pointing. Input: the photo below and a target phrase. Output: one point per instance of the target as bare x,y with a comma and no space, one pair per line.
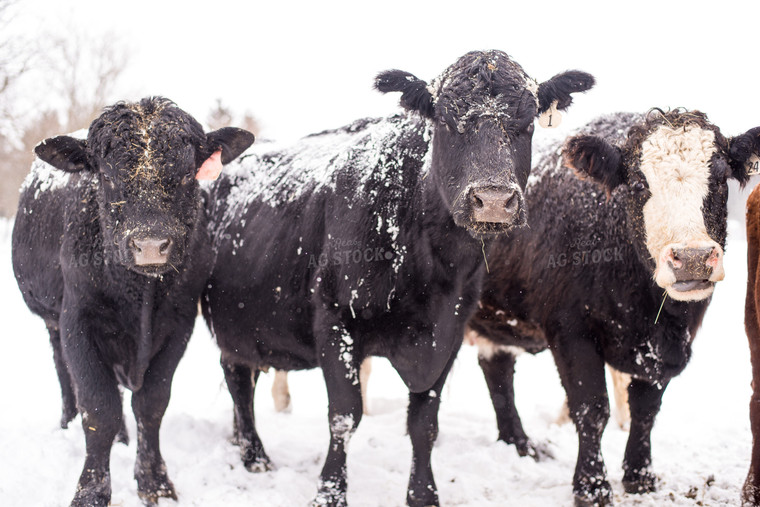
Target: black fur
593,157
361,241
415,95
742,148
112,322
580,282
561,87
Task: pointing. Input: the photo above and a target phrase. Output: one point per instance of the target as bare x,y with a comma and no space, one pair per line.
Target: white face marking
675,163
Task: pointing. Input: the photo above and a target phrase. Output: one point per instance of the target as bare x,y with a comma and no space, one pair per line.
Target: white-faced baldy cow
111,249
368,240
619,269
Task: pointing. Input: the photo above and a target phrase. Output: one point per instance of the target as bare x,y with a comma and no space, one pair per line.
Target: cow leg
340,367
280,391
644,400
582,372
242,388
99,404
751,488
499,372
68,399
422,424
149,405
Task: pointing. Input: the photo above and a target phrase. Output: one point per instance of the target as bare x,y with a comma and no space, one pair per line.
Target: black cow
618,269
368,240
111,249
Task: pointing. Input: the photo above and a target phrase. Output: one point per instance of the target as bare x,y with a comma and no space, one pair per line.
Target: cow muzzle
689,272
150,251
497,207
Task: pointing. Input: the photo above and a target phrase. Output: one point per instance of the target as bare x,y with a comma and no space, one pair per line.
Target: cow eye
639,187
187,179
107,179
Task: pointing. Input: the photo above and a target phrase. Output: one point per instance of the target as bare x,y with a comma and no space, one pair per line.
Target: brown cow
751,490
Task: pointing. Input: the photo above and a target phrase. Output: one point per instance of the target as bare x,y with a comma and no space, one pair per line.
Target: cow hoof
259,465
430,500
254,458
536,450
750,493
161,489
640,481
330,494
584,501
600,496
96,495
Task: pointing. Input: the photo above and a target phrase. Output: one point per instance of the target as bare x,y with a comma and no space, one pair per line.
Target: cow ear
64,153
415,95
744,155
231,141
593,157
561,87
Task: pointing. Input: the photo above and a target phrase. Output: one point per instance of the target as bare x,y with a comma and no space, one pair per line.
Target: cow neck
145,339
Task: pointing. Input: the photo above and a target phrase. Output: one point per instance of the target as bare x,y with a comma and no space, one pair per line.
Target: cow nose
495,205
149,251
693,263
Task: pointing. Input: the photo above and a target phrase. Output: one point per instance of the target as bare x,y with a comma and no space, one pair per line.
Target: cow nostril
163,249
477,201
133,246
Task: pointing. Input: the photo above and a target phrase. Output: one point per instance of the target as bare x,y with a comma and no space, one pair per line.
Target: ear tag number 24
753,165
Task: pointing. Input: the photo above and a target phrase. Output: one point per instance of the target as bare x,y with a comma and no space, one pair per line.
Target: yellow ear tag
753,165
551,118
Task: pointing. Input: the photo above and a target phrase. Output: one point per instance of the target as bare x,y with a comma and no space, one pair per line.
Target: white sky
301,67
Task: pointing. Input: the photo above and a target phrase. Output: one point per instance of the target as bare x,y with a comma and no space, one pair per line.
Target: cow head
671,172
481,111
146,158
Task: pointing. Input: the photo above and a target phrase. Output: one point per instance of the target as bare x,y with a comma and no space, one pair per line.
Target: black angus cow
111,249
617,269
368,240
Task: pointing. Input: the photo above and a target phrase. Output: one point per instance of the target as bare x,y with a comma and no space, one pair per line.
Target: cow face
674,168
146,157
482,110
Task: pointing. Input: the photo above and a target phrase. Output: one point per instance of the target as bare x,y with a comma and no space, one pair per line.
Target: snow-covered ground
701,442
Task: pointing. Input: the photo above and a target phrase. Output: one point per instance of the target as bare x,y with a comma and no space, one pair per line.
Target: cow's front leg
340,364
582,372
422,424
242,388
149,405
99,404
645,400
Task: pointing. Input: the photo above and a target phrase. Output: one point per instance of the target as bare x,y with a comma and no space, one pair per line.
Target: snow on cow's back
43,177
366,151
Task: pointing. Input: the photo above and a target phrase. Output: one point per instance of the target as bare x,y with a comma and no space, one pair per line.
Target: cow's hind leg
68,398
499,371
242,388
645,400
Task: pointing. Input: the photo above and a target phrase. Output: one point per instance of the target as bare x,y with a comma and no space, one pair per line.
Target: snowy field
701,442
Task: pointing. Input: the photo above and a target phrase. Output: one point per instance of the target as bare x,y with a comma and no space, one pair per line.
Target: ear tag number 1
753,165
551,118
